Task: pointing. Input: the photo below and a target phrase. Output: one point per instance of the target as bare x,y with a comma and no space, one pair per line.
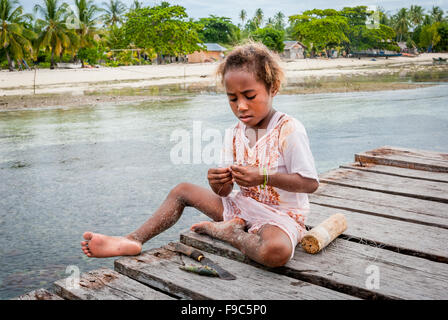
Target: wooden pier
395,247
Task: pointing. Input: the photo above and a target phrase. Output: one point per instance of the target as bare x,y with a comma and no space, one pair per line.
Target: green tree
279,22
436,14
416,15
114,10
320,29
216,29
87,31
442,30
163,28
361,37
14,37
401,23
429,36
258,18
243,16
54,34
270,37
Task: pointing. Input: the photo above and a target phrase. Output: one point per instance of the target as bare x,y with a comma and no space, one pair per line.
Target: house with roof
213,52
293,50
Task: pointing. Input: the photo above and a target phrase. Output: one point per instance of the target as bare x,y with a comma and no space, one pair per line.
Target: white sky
231,8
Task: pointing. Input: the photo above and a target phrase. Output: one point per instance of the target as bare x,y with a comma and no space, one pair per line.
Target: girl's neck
263,124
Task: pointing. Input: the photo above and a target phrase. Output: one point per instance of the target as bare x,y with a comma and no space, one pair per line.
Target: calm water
107,168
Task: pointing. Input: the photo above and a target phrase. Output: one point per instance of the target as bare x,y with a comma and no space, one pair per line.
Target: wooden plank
106,284
420,211
160,268
401,236
39,294
345,266
406,158
428,190
399,172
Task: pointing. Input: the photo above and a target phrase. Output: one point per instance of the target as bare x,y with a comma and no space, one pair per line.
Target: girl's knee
275,254
181,191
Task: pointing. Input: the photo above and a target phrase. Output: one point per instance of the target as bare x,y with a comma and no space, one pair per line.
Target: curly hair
256,58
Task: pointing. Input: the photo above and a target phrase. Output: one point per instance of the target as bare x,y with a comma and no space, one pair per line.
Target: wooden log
106,284
160,268
398,171
381,204
406,158
428,190
320,236
342,266
39,294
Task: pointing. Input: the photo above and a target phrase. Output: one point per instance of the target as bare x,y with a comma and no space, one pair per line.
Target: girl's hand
220,180
247,176
219,176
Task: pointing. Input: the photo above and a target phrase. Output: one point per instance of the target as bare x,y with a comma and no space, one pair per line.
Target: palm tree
401,22
279,24
114,12
243,16
437,14
258,18
54,34
136,5
86,14
416,14
14,37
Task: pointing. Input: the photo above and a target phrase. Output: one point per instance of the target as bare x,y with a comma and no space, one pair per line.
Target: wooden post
319,237
35,70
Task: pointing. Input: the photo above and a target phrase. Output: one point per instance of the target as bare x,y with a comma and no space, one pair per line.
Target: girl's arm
293,182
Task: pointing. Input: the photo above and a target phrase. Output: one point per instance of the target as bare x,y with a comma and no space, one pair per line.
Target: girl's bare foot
101,246
224,230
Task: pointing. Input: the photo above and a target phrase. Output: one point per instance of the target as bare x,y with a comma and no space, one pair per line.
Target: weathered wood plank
428,190
39,294
160,268
406,158
420,211
106,284
345,266
399,172
401,236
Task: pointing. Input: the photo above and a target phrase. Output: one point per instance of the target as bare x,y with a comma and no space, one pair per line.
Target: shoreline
83,87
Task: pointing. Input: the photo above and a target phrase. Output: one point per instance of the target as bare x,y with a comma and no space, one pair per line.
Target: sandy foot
224,230
101,246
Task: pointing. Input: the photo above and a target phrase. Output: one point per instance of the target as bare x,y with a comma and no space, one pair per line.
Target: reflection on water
106,168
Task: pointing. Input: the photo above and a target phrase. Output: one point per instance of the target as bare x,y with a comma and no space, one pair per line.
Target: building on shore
214,52
293,50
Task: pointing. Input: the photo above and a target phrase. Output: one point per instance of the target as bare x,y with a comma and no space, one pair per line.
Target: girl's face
248,98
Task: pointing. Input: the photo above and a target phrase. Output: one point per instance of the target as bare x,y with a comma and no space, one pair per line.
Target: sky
231,8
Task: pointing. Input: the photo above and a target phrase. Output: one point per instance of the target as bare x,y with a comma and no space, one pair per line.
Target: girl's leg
271,246
181,196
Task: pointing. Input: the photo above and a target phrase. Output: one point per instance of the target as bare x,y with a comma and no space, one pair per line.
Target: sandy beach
85,86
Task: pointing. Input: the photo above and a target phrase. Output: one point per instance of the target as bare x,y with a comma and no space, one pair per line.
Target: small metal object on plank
199,256
406,158
106,284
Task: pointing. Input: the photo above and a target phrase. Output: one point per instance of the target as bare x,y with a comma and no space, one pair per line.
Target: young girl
270,159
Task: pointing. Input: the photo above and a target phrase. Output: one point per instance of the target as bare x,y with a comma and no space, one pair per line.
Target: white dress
284,148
